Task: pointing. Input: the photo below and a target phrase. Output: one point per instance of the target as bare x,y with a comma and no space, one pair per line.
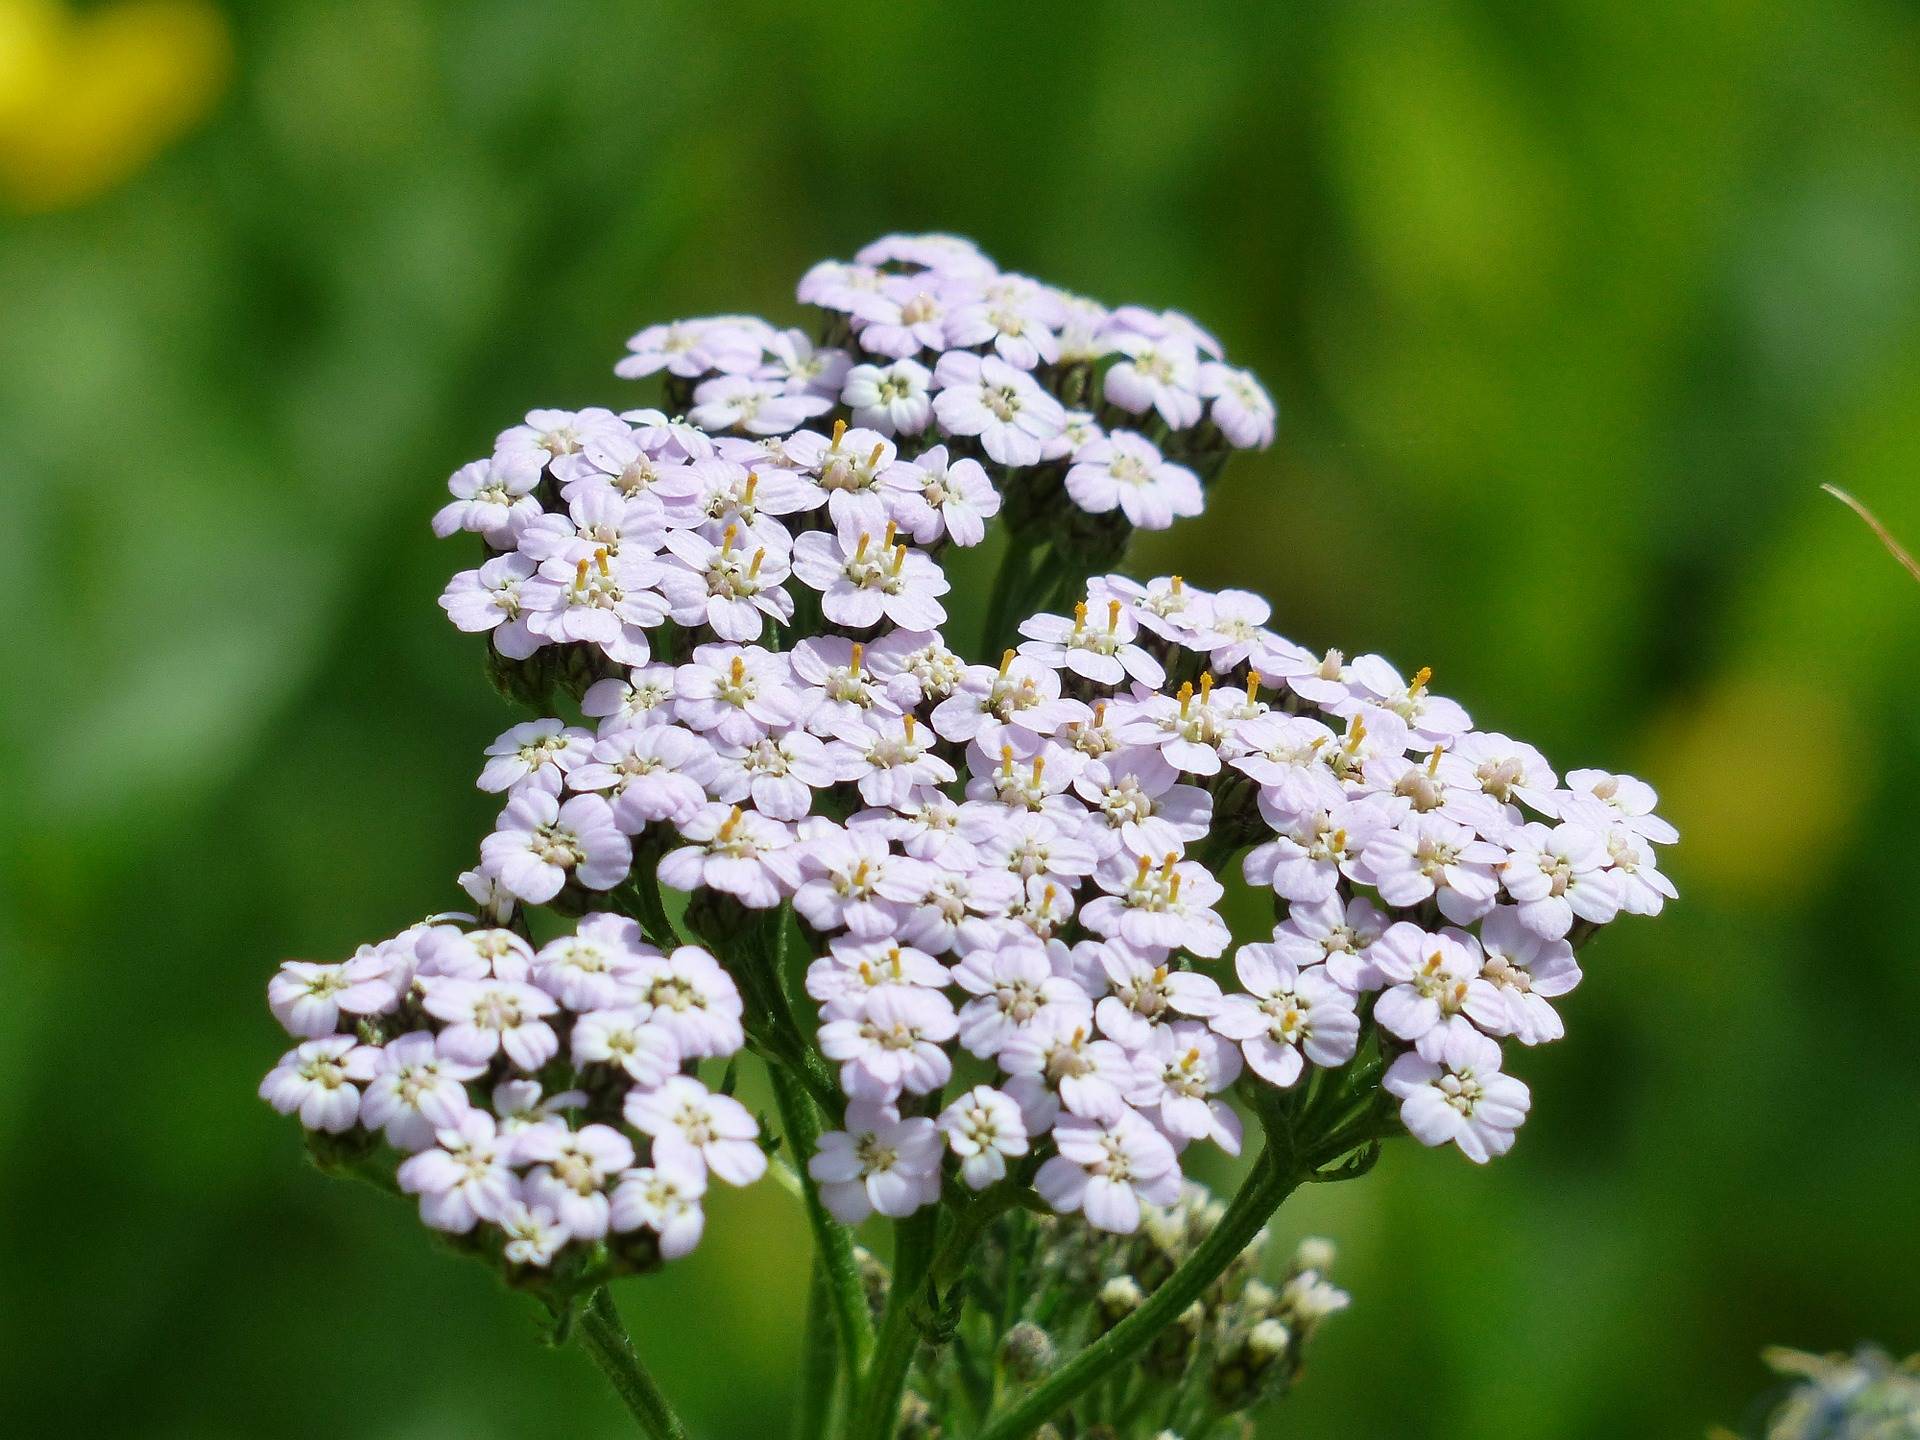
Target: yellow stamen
746,495
1173,890
1433,764
1039,764
1145,865
853,665
1006,663
733,821
1159,974
1186,697
878,451
753,570
839,430
1206,685
1166,867
860,875
1420,680
1176,584
600,559
727,537
1113,616
906,725
737,672
899,558
1079,617
887,544
1253,686
860,550
1006,759
580,575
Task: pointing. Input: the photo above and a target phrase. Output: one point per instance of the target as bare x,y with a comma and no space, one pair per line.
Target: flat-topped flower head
998,870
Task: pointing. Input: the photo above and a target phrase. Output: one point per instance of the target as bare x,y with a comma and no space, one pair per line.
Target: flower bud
1120,1297
1027,1351
1314,1253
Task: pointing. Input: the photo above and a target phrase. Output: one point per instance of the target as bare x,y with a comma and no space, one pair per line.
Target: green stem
1008,585
899,1331
1272,1179
833,1242
819,1359
606,1340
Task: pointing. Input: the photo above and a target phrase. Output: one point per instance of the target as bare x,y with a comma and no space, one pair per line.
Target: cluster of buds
1056,1288
1862,1396
970,910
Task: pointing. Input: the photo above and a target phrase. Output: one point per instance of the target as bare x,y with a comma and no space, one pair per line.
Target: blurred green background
1570,307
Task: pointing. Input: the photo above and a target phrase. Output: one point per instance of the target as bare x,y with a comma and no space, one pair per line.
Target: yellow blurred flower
89,97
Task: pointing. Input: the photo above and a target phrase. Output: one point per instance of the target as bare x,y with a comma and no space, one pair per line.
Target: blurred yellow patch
1747,773
89,97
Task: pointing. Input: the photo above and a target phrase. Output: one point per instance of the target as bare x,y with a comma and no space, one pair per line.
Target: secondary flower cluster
1009,874
439,1039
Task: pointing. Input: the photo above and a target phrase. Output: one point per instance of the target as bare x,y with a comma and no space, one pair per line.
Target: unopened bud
1268,1340
1120,1297
1027,1351
917,1420
1257,1299
873,1279
1314,1253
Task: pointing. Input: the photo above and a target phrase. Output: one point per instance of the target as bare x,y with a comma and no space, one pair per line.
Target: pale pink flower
1126,471
1452,1091
879,1162
1106,1168
1012,416
693,1128
316,1082
540,843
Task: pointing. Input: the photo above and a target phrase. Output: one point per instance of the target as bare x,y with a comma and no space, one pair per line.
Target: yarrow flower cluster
972,907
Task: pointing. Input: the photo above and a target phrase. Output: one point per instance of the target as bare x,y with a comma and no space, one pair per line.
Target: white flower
987,397
865,578
893,1043
1126,471
880,1162
665,1199
537,754
573,1170
486,1017
1179,1071
415,1091
489,502
693,1128
931,496
1453,1091
465,1178
983,1127
1285,1014
1529,972
1558,874
1160,374
735,851
316,1082
1433,983
892,399
1241,409
534,1234
1105,1169
541,842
